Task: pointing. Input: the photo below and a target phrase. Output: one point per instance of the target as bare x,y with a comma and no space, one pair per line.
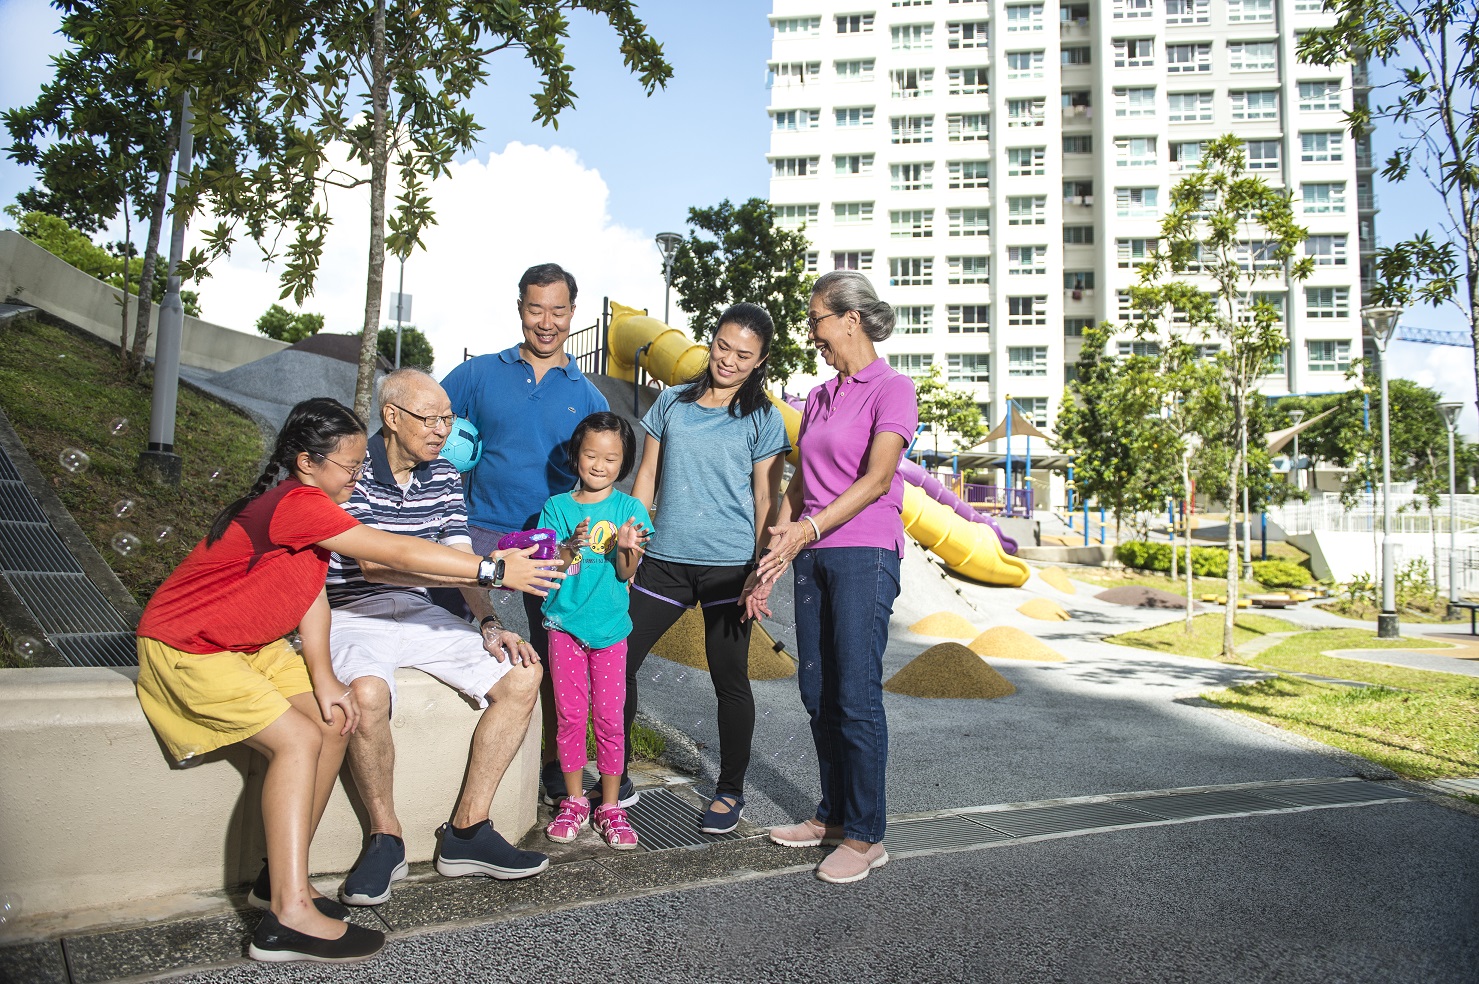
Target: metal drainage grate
1035,821
98,648
939,834
34,547
664,821
17,504
1218,803
1333,793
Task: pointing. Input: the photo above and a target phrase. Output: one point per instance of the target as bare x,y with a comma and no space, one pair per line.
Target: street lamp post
1297,416
1450,413
667,243
1380,324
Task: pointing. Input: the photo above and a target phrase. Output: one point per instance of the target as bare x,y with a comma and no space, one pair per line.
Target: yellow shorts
200,703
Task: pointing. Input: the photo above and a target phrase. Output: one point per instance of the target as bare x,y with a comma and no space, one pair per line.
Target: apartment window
912,364
968,367
967,127
966,34
796,119
1078,235
1321,147
1026,260
968,319
914,319
911,177
1026,161
1252,56
1025,64
969,269
1133,252
1188,58
1127,350
912,3
1333,355
1024,17
1134,52
797,26
1257,254
1189,107
1257,299
1277,362
1327,302
912,37
911,271
849,116
1325,198
1250,11
1026,112
1187,12
793,73
966,222
1078,281
970,174
1186,155
1134,102
1079,54
1027,360
852,213
1136,203
968,81
795,167
1081,143
1034,408
1134,151
1078,192
855,24
1263,155
912,223
1026,210
911,129
911,83
1309,6
1027,312
1076,102
845,164
1076,326
854,70
858,259
1130,9
1326,250
1317,96
811,262
1262,104
795,216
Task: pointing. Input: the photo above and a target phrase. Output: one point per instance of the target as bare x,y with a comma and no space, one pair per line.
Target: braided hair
315,426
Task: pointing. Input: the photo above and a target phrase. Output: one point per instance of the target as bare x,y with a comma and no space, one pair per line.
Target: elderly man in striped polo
383,620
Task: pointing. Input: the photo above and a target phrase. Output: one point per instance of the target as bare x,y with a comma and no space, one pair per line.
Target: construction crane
1433,336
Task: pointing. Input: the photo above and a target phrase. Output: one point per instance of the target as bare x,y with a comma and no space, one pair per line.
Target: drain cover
664,821
938,834
1216,803
1059,819
1331,793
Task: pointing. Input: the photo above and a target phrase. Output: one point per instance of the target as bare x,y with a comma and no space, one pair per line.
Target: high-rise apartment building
999,169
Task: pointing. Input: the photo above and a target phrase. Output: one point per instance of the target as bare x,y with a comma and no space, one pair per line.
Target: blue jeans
844,597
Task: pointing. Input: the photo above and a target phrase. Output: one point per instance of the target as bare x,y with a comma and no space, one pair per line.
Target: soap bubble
698,724
192,756
10,907
118,426
162,534
800,578
296,641
74,460
656,676
765,714
123,508
215,475
28,647
682,676
126,544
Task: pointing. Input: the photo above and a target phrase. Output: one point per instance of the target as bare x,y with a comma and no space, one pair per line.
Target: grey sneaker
382,863
626,794
551,783
485,853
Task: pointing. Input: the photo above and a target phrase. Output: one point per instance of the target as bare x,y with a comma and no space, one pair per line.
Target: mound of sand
1044,609
1137,597
1005,642
946,625
949,670
684,643
1056,577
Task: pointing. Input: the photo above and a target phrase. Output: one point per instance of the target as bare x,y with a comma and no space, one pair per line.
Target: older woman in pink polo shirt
840,525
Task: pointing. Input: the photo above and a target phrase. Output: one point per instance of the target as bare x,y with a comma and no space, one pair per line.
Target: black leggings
661,591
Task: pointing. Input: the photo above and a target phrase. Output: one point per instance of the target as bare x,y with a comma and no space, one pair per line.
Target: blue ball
464,447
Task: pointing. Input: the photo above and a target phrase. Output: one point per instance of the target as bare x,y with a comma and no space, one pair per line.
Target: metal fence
1410,514
999,501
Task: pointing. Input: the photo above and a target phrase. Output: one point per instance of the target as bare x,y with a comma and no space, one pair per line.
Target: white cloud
1445,368
495,218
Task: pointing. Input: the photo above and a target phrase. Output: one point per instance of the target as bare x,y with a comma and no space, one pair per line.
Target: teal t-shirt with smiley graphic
591,604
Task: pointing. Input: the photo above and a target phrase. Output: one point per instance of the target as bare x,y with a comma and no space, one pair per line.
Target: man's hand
521,572
502,645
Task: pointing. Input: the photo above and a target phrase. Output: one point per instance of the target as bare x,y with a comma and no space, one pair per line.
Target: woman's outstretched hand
755,597
786,541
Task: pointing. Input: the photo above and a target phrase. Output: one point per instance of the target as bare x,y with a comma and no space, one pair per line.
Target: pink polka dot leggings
594,679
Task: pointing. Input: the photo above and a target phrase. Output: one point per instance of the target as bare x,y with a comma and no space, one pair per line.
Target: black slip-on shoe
275,943
260,897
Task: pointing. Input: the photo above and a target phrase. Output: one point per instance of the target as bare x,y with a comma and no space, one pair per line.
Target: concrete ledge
93,814
1093,555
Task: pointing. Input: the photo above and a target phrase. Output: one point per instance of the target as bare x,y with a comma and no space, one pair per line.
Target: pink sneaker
572,814
615,829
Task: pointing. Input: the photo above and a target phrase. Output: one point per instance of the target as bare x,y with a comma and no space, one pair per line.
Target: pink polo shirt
837,428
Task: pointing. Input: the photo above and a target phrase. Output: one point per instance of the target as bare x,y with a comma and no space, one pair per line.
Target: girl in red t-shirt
214,668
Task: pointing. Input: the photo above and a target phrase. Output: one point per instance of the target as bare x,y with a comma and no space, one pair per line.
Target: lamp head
1296,415
667,243
1379,324
1450,412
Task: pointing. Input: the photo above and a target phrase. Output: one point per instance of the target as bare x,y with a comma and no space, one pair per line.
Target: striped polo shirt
430,507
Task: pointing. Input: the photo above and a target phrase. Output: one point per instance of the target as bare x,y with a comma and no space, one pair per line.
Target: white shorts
378,634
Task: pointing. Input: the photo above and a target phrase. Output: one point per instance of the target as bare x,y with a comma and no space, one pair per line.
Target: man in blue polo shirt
525,402
383,621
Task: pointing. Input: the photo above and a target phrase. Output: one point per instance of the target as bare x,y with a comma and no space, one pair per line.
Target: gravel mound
949,670
946,625
1137,597
1056,577
684,643
1006,642
1044,609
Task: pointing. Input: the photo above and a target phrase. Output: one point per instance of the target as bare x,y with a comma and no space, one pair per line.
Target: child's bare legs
303,757
610,788
574,784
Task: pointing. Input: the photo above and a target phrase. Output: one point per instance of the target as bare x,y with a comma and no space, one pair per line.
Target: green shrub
1280,574
1143,556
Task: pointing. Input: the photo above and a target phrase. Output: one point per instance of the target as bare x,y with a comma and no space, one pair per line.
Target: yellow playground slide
969,549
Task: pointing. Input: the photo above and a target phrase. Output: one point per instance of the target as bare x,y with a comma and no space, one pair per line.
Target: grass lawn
1122,577
1205,640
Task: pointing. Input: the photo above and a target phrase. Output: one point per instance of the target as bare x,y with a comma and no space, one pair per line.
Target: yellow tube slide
969,549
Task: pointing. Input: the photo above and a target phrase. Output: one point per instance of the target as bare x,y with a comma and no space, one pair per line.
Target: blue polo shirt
524,428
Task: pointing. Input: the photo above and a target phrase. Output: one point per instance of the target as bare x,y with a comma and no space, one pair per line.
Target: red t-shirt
255,584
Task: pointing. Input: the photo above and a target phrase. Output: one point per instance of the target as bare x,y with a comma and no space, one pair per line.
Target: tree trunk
1186,491
123,353
1173,542
1234,563
364,386
151,244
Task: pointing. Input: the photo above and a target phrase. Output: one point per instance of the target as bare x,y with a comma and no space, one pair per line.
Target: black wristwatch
490,573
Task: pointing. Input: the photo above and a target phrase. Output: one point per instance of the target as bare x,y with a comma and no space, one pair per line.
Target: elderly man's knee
373,696
519,686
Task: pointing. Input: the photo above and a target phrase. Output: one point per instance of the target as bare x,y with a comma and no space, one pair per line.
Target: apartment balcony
1366,201
1075,29
1075,115
1078,295
1360,76
1370,244
1364,161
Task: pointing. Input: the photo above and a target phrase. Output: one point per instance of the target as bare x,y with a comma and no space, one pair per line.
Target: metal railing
587,348
1410,514
997,501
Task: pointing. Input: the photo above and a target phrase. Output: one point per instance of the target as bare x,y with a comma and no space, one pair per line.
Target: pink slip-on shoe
615,829
807,833
846,865
572,814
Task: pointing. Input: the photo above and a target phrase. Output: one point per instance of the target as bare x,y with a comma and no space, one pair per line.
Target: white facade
920,142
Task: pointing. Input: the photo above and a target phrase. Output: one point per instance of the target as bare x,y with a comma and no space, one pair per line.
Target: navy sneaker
485,853
382,863
276,943
551,783
260,897
723,822
626,794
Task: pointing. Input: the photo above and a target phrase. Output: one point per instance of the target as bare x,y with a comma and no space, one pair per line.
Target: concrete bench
1473,608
